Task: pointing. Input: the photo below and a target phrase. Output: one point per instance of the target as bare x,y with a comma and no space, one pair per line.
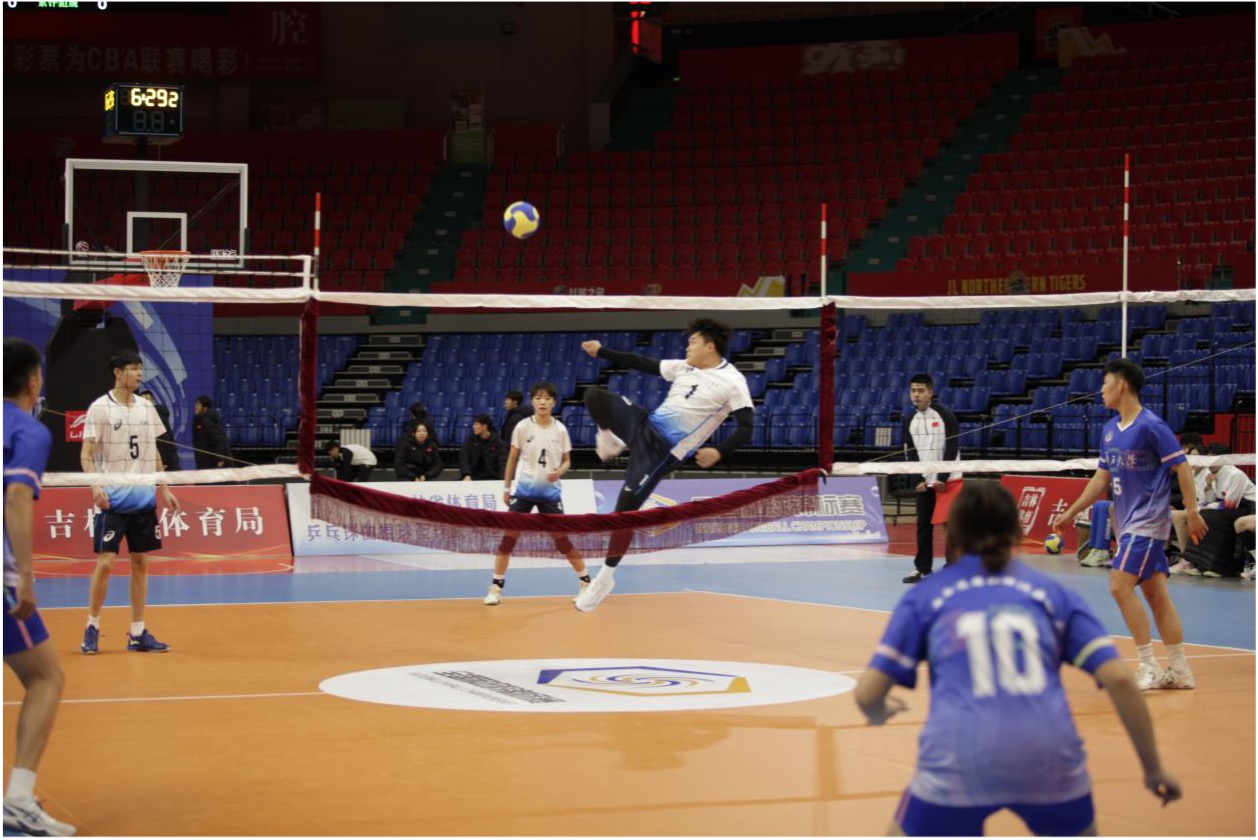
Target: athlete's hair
1128,371
984,521
485,420
205,400
331,445
21,360
124,358
1193,441
923,379
1218,448
517,395
547,388
711,330
418,411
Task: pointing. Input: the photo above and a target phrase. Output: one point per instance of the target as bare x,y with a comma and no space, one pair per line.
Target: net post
825,387
307,387
823,252
318,227
1126,234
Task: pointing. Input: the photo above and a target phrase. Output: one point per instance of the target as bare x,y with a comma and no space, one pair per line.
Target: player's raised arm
629,360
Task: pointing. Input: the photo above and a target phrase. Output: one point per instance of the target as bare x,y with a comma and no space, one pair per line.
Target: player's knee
105,562
139,562
1121,585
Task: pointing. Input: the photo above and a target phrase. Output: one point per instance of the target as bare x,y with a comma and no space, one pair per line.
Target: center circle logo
587,685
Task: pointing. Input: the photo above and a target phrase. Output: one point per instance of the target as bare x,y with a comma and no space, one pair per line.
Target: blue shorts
650,453
1142,557
21,635
1062,819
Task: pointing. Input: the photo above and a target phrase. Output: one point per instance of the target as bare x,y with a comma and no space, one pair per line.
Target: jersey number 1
1005,633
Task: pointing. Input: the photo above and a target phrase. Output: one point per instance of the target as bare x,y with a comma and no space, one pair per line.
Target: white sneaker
1248,574
1097,558
1082,553
1182,568
593,595
607,445
1177,678
29,818
1149,676
584,586
494,597
1210,574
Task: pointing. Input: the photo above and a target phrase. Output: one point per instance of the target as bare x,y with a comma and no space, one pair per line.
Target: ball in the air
1053,543
521,220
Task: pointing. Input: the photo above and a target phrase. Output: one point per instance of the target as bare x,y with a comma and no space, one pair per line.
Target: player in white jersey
27,650
120,436
1139,455
706,389
542,450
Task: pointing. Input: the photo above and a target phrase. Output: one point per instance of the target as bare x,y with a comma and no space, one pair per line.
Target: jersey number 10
1004,633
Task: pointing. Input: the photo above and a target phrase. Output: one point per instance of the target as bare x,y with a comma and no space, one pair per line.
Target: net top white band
1018,466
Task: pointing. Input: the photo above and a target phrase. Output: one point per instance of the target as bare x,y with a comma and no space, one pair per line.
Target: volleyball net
829,377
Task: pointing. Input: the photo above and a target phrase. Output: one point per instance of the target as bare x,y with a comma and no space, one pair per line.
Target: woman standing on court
1000,733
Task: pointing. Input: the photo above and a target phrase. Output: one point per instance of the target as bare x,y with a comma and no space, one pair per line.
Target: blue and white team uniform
542,450
27,444
1000,733
126,442
1139,459
698,402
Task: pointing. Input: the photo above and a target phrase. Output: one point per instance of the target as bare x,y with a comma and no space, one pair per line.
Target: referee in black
930,434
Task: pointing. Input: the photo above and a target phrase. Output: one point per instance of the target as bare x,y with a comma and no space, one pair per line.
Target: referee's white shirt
930,439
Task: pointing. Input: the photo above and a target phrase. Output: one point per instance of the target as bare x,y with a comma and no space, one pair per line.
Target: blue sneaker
91,640
145,643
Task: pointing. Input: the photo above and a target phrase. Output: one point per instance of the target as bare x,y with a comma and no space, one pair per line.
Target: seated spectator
352,462
419,414
418,458
1193,445
513,402
481,458
210,449
1231,496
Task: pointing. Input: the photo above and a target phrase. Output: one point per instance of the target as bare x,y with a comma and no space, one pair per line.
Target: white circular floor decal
587,685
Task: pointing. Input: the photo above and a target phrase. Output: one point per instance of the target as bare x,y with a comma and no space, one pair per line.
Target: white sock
1178,660
93,621
137,627
21,785
610,571
1145,652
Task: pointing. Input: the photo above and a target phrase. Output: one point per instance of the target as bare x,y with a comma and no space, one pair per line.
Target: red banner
250,41
700,67
1145,37
213,522
1048,22
1152,275
1042,497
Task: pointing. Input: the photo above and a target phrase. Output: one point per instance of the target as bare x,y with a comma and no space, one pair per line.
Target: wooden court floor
229,734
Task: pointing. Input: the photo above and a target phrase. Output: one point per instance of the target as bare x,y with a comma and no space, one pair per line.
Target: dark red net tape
379,515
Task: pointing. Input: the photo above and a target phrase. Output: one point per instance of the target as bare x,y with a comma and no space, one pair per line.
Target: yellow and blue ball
1053,544
521,220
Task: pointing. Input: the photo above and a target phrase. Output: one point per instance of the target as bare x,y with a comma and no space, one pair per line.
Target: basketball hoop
164,267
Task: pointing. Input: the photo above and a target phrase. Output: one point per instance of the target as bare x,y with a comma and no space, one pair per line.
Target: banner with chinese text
212,522
1040,498
849,510
314,536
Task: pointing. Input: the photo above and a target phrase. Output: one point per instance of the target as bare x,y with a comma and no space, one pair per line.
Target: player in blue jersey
1139,454
27,650
999,733
120,436
540,446
706,388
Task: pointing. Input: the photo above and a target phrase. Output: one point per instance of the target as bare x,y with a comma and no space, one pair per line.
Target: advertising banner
1110,38
1048,22
314,536
212,522
849,510
1040,498
1145,276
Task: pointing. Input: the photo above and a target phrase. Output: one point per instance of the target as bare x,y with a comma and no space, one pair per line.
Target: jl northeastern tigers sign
587,685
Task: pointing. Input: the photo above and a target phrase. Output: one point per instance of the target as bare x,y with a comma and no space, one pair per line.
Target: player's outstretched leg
598,403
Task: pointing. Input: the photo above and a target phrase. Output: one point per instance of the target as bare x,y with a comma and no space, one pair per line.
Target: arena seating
1185,116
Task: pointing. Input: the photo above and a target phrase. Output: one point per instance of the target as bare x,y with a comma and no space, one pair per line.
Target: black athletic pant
925,558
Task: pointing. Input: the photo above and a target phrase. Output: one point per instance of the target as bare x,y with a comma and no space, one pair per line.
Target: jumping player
120,436
540,446
706,389
999,733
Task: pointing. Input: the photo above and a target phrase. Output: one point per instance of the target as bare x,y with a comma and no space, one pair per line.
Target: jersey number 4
541,459
1006,634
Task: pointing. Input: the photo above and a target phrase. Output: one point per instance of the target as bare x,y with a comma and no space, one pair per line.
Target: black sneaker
916,577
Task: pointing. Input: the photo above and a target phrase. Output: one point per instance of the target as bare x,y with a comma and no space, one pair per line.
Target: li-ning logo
76,423
643,681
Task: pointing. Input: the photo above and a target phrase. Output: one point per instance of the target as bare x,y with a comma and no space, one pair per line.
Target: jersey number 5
135,447
1006,633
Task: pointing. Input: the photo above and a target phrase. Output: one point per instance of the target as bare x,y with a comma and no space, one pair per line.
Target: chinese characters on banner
1039,499
251,41
212,521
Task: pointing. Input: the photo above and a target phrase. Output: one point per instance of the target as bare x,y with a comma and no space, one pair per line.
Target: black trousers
925,532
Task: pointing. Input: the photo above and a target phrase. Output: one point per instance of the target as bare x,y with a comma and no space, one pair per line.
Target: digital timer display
135,110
